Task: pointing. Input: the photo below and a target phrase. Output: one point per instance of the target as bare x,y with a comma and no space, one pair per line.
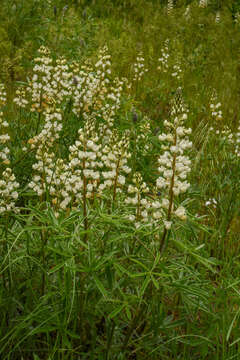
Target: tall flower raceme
115,156
95,93
170,7
164,59
50,84
224,133
143,144
215,106
67,183
139,68
3,95
139,202
174,164
20,97
61,82
166,63
39,89
85,163
43,143
8,183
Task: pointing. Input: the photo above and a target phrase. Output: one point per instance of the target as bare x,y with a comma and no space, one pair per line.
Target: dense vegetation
120,168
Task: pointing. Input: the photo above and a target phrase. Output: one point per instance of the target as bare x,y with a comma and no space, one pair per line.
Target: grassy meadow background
86,273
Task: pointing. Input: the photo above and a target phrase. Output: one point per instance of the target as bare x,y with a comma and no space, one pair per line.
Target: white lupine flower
203,3
167,224
131,217
157,215
143,202
165,203
181,213
156,204
161,183
144,214
121,180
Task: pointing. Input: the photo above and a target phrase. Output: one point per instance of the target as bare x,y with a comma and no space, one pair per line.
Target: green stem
44,241
132,327
109,341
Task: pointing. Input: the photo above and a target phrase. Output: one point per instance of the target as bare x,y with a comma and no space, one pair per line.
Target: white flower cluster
237,17
85,164
139,68
215,107
8,183
211,202
97,98
92,167
164,59
166,64
41,92
20,98
90,88
3,95
115,157
45,154
237,149
49,85
170,7
176,71
137,197
174,165
225,134
203,3
8,191
67,181
218,17
61,81
4,137
142,143
95,94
